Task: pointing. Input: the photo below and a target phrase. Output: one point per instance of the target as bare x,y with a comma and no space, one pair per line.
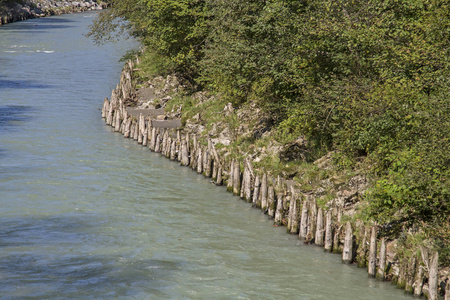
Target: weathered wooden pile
280,199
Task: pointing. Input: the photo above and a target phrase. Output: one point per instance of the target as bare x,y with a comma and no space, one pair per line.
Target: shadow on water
41,25
22,84
13,115
36,253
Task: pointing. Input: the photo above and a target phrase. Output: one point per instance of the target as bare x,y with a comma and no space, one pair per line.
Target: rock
297,150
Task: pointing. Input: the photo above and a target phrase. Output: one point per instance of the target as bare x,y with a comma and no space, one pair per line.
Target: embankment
13,11
285,201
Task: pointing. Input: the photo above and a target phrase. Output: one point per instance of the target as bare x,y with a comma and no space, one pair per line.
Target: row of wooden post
274,196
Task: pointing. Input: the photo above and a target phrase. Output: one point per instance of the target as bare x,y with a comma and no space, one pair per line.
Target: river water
85,213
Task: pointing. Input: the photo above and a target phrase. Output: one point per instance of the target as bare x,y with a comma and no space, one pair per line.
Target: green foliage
362,78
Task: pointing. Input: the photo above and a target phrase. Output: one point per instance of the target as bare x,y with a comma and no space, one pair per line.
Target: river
85,213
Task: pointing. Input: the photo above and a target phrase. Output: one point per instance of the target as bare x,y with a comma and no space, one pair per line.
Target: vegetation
367,79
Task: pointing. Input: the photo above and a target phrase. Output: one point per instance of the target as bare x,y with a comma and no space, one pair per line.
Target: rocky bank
13,11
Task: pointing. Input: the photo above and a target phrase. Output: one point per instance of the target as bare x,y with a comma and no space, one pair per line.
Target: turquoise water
85,213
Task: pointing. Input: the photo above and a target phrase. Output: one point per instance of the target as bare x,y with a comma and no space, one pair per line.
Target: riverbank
14,11
233,147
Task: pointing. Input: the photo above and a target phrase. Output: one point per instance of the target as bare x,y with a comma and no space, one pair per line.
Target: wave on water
45,51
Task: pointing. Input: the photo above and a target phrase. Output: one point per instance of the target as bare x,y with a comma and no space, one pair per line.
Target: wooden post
312,221
336,240
165,143
247,181
105,107
328,233
136,131
145,137
109,117
236,178
199,160
230,177
168,145
209,160
153,140
127,129
184,154
373,253
219,175
319,229
294,216
158,143
279,210
382,266
255,201
347,253
402,274
447,290
173,151
117,123
215,167
361,256
411,274
433,277
132,126
271,201
141,128
304,221
264,193
418,281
